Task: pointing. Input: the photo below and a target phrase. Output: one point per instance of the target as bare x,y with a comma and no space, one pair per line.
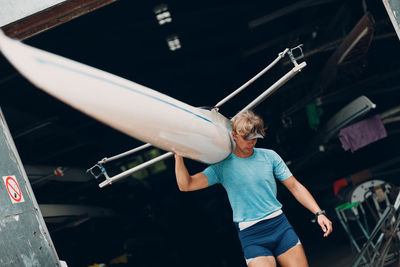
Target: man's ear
234,135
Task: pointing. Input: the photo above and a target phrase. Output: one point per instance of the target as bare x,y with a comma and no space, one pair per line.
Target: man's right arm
185,181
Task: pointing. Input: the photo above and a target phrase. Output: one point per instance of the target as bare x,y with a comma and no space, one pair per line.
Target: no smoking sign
13,188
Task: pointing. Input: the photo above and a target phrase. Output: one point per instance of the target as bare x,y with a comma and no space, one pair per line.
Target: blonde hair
246,123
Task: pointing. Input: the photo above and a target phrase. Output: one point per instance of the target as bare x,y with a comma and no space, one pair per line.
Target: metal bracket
98,170
291,53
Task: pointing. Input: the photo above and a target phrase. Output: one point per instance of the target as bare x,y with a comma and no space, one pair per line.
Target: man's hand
325,224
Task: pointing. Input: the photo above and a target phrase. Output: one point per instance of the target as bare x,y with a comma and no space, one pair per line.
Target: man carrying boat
248,175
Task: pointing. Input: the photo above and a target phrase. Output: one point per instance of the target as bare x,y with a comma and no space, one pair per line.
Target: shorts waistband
243,225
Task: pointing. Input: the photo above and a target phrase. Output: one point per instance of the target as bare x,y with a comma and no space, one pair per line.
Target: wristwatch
319,213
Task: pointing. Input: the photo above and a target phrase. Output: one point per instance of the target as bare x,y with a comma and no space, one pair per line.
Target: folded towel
362,133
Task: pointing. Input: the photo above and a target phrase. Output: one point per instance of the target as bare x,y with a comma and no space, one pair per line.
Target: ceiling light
162,14
173,42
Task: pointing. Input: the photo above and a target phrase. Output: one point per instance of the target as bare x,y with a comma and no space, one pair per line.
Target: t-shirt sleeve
281,170
211,174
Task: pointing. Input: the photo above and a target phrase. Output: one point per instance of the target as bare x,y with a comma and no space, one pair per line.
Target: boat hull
138,111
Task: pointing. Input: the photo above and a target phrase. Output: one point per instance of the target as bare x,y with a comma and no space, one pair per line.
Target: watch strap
319,213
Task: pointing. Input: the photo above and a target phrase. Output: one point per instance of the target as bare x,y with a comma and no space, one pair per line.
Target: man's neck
242,154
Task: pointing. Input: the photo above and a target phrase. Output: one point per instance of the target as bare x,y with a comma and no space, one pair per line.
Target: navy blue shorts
270,237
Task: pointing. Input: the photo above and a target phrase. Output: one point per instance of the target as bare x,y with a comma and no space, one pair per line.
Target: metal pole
381,259
226,99
137,149
360,256
146,164
347,230
275,86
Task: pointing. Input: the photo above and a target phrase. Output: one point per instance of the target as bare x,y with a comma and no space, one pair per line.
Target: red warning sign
14,191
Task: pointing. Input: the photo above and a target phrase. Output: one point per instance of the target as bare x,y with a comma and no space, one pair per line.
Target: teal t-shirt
250,183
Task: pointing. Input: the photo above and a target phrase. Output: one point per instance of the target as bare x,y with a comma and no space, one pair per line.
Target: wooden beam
51,17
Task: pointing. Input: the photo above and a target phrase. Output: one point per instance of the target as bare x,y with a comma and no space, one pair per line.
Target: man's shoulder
267,154
265,151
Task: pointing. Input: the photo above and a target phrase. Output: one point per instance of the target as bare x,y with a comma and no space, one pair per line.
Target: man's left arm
304,197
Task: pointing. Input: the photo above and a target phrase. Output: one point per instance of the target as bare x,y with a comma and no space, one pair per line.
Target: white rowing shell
346,115
129,107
